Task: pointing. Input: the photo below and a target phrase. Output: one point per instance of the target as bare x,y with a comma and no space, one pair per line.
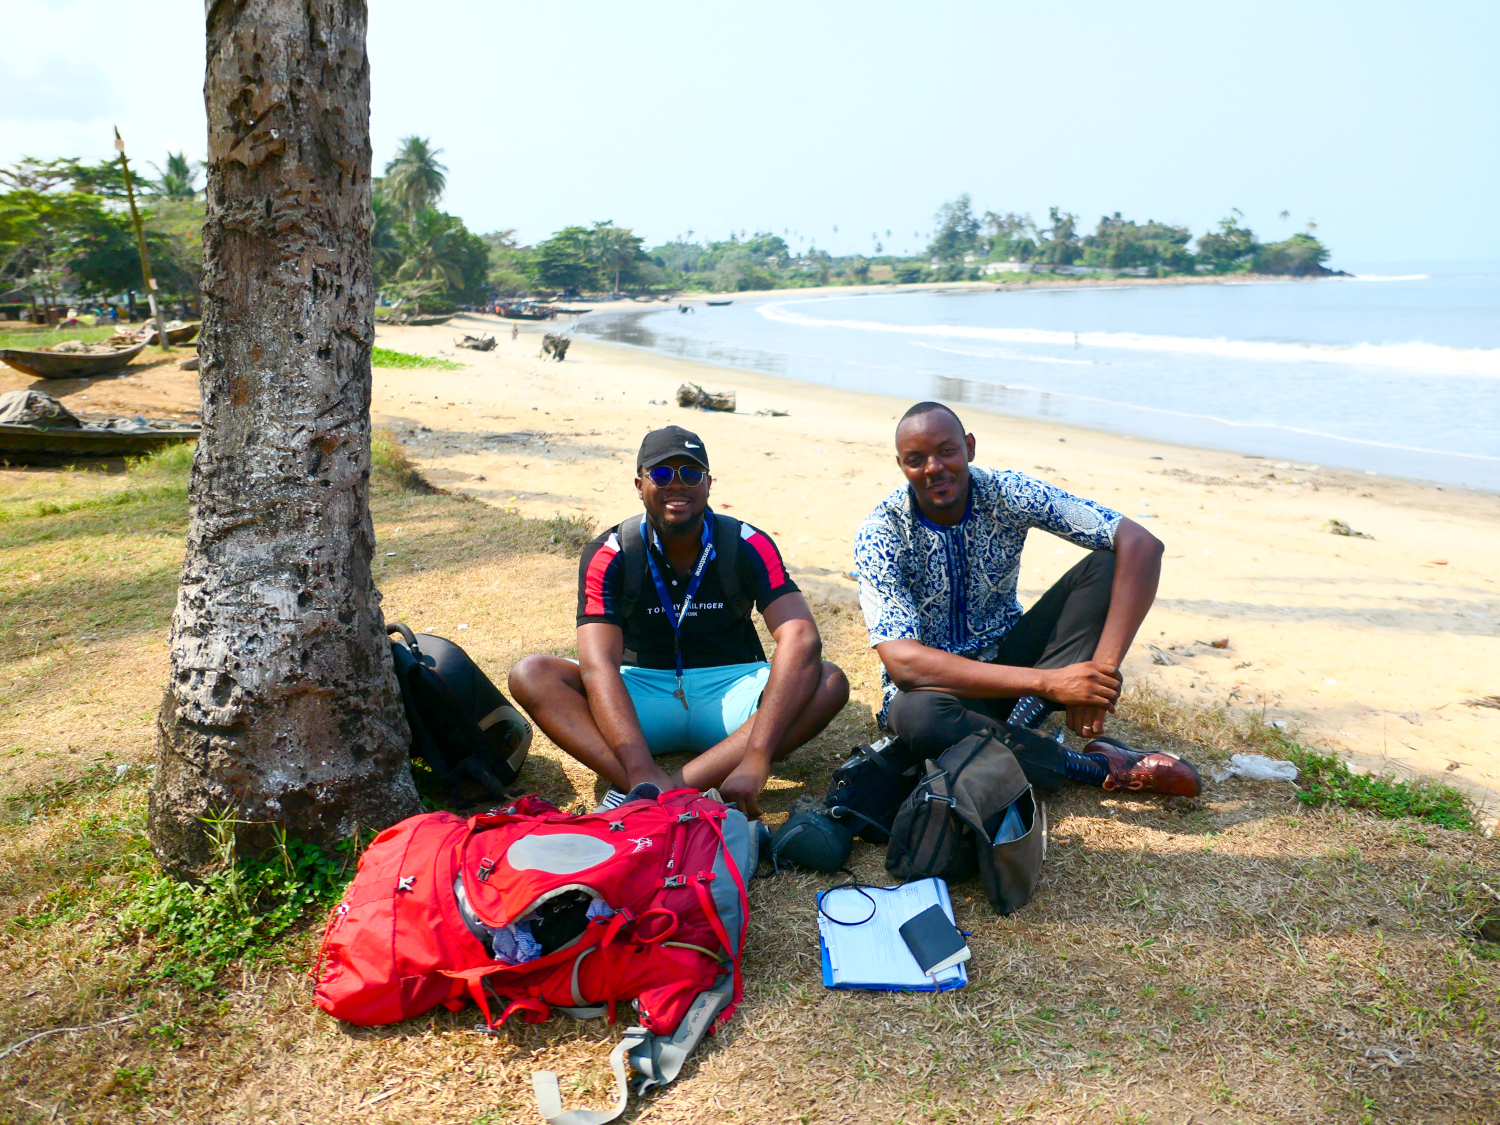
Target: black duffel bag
462,726
947,826
868,788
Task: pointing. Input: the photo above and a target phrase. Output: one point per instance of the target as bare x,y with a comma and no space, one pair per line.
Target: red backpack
540,909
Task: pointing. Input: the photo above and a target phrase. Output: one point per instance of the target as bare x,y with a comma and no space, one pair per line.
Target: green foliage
1324,780
385,357
957,230
414,179
176,182
563,261
1123,244
1009,237
1302,255
1230,248
238,912
1060,244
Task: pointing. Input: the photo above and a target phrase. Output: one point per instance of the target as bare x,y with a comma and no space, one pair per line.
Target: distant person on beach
938,563
515,330
669,660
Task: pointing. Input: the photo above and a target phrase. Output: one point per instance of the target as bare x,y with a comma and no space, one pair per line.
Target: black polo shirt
713,633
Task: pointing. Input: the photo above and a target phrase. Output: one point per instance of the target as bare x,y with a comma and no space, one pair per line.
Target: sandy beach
1370,647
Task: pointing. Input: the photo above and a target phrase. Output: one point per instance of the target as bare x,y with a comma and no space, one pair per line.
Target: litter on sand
1257,767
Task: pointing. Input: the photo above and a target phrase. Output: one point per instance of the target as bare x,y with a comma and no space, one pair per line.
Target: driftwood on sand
477,343
556,344
691,394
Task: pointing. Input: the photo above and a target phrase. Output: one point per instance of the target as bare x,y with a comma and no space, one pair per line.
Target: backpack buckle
486,865
674,881
683,818
616,825
949,801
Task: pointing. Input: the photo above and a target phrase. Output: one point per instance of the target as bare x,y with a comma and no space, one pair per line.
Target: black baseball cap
668,442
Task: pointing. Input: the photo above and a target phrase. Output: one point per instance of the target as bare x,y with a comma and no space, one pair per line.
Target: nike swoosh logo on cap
690,445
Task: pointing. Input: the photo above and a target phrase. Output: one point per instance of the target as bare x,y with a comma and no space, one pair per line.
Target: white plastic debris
1257,767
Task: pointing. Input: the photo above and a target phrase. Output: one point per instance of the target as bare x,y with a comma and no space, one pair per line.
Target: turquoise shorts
720,700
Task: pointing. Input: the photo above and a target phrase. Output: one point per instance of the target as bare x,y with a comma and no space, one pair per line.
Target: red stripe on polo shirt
775,572
593,582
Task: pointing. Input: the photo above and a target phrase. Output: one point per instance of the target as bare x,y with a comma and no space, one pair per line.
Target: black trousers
1062,628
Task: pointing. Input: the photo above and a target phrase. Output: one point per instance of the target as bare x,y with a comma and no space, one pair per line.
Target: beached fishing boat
527,312
718,304
176,337
426,321
45,363
36,429
32,445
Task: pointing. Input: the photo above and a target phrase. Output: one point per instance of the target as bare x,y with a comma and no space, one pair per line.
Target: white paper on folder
874,954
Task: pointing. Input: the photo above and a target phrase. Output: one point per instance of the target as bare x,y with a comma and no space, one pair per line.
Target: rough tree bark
282,707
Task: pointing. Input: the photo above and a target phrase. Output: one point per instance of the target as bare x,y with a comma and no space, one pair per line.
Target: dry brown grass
1235,958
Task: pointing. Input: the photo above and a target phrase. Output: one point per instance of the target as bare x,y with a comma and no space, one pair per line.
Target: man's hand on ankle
1087,722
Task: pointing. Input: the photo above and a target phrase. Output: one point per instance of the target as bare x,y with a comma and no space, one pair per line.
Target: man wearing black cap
668,657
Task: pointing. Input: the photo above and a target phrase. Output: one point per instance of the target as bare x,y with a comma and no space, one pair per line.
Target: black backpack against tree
461,724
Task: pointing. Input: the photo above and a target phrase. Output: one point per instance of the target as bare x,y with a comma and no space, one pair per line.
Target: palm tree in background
430,250
613,248
384,243
177,181
414,180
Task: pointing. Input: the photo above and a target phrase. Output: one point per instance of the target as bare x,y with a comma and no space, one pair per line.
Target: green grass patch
1325,780
385,357
33,338
240,912
157,478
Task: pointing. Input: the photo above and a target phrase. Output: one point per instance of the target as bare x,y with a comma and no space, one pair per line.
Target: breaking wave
1415,356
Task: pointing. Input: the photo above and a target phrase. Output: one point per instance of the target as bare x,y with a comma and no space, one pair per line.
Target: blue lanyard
692,589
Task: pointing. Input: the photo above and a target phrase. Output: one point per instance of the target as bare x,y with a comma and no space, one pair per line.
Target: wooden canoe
68,365
175,336
425,321
718,304
37,445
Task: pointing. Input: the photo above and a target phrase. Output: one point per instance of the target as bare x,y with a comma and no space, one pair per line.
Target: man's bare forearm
795,668
914,666
1137,572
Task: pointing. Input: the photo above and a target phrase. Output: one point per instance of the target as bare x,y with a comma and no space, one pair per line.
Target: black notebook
934,940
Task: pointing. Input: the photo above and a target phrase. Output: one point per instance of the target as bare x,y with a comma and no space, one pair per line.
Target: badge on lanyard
675,619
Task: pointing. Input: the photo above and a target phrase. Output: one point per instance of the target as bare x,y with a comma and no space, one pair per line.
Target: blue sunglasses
690,475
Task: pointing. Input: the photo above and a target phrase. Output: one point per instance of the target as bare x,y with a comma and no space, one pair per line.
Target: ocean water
1396,372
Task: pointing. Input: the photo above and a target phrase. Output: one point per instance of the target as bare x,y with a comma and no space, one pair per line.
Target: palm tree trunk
282,705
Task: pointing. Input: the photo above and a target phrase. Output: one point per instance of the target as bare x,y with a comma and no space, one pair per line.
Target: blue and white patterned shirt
954,588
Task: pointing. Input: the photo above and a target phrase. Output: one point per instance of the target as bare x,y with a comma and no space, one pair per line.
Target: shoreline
1450,471
1368,647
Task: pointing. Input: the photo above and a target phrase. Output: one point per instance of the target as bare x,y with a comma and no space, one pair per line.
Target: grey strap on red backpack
657,1058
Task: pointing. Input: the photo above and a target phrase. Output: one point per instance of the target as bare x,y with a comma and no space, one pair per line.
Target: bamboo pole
140,241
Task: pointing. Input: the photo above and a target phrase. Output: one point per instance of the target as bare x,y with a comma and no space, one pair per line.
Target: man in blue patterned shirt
938,564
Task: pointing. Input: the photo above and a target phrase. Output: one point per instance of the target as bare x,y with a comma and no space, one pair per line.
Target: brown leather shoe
1139,772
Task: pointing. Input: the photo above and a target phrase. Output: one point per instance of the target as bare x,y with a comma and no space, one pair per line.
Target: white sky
1376,119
